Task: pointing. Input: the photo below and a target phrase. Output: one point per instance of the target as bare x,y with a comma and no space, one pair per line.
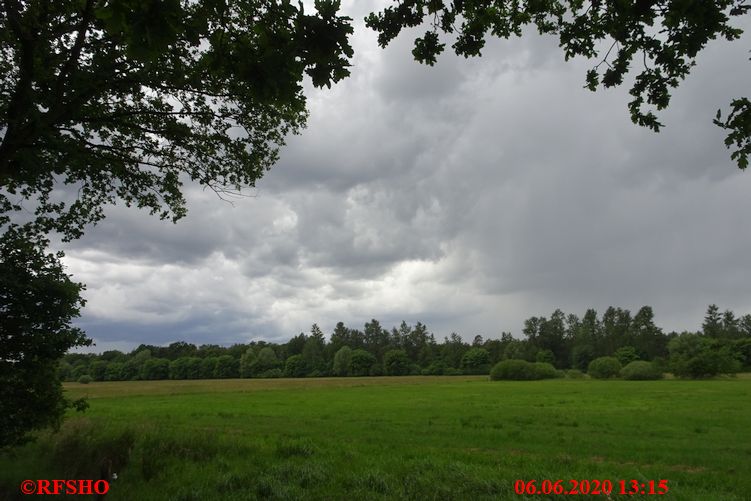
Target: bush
521,370
641,370
451,371
85,379
575,374
695,356
546,371
604,368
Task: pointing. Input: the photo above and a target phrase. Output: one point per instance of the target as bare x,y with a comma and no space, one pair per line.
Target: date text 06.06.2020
591,487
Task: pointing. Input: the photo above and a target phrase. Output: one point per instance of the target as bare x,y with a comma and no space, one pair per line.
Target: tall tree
712,325
339,338
38,302
730,325
658,40
313,354
744,325
648,339
376,339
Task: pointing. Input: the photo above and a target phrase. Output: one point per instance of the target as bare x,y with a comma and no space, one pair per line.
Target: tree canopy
37,303
658,40
128,99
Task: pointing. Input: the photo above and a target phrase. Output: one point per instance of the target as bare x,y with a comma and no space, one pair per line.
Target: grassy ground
398,438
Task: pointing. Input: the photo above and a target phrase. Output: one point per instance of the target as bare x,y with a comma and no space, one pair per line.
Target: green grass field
398,438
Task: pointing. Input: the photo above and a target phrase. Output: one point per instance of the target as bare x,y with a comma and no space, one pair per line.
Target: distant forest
722,346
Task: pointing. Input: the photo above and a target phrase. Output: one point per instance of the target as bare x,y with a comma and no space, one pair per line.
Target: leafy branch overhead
126,99
658,39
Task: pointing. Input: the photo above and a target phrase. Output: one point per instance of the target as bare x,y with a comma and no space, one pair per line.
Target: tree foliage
342,361
396,363
264,362
38,302
414,350
694,356
127,99
476,361
658,40
361,362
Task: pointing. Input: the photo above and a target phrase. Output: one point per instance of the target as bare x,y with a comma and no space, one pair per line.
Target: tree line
566,341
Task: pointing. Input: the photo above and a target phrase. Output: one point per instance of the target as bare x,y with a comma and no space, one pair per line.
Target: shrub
451,371
604,368
575,374
546,371
521,370
85,379
641,370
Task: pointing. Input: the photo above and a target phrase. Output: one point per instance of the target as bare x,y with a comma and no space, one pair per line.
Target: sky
468,196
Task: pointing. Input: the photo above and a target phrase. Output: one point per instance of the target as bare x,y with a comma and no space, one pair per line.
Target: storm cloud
468,196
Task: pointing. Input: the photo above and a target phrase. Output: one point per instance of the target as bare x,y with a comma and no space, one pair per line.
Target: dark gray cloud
468,196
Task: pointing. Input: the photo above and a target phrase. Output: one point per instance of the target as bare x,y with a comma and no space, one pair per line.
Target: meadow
439,438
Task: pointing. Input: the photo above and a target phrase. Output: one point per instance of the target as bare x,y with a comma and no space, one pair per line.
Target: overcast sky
468,196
